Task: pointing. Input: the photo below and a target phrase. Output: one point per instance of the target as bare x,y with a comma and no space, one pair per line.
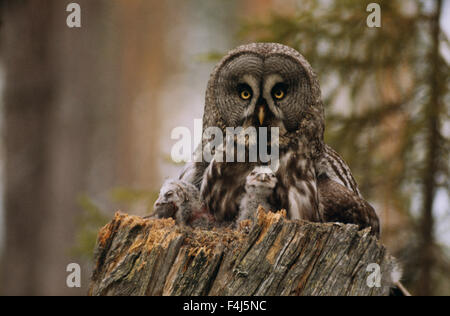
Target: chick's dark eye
279,91
244,91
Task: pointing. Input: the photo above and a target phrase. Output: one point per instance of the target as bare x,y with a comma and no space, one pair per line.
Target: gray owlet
259,190
180,200
272,85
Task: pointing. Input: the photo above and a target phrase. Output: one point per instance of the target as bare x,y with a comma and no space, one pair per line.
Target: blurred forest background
86,115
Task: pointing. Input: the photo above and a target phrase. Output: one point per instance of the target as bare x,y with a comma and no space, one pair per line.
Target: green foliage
209,57
93,217
131,197
88,225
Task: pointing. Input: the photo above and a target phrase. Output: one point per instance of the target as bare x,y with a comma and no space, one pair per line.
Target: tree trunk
58,135
275,256
29,102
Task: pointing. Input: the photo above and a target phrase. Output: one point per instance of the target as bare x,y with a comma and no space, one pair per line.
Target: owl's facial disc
287,90
237,88
256,90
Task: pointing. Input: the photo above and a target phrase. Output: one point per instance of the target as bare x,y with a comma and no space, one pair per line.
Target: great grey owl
181,201
259,189
272,85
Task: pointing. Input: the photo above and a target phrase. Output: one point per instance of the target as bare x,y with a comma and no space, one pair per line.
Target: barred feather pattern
333,166
340,198
222,188
297,190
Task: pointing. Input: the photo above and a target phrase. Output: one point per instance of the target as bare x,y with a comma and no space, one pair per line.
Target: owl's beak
263,177
261,114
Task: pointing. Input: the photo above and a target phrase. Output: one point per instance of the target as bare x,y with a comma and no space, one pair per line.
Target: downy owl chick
259,189
181,200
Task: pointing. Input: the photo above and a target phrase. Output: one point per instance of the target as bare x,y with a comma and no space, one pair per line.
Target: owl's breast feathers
222,188
324,191
297,188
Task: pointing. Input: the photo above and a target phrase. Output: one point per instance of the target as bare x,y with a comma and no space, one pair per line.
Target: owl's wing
334,167
339,204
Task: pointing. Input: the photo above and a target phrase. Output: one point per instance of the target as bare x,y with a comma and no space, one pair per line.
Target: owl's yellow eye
278,94
245,94
279,91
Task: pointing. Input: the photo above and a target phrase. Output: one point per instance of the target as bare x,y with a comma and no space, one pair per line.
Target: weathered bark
275,256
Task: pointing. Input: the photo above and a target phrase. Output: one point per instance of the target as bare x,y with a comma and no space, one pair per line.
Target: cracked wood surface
275,256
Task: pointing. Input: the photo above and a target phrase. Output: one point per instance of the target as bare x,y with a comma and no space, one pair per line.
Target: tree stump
273,256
